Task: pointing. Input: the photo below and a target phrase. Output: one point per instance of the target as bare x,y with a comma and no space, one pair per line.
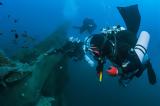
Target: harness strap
113,43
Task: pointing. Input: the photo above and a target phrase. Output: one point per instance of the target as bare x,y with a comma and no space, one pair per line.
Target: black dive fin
151,74
131,16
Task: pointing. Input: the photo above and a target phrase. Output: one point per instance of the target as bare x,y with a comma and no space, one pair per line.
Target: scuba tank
137,60
137,54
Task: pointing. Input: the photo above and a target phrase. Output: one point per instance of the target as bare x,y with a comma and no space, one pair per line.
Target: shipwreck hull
46,79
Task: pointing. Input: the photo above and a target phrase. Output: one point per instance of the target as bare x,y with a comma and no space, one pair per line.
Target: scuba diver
88,25
120,46
72,48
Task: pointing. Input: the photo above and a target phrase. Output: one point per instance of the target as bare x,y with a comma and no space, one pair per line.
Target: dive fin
131,17
151,74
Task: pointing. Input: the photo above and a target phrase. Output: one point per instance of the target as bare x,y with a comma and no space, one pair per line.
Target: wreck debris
45,101
22,94
3,59
14,76
10,74
40,74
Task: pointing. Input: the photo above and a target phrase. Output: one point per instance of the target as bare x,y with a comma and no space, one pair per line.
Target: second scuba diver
88,26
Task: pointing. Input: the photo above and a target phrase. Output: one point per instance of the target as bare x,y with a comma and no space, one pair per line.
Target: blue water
41,17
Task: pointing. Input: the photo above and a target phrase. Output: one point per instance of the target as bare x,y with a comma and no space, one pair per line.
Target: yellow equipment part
100,76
